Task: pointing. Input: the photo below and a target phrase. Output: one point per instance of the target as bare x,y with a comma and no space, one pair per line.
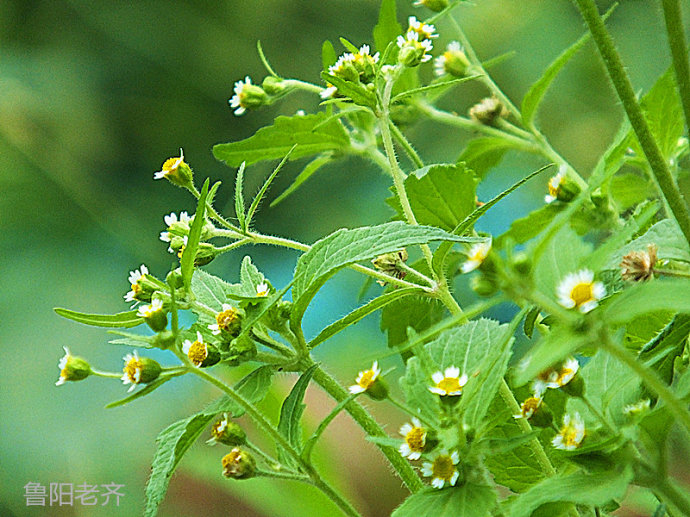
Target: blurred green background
94,96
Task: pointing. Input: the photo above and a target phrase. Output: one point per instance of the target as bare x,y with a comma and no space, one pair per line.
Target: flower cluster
358,67
415,46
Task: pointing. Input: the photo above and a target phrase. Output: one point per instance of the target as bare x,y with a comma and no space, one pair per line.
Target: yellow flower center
136,289
554,187
218,428
171,164
564,374
133,370
529,406
367,379
582,293
226,318
197,353
443,468
416,439
570,436
449,384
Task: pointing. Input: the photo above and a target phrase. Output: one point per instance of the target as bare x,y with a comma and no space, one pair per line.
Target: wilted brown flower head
638,266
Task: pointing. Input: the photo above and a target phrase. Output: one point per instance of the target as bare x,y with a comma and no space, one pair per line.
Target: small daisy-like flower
247,96
134,280
638,266
442,470
236,100
154,315
554,187
227,432
420,49
366,379
170,167
555,378
424,30
239,464
262,289
328,92
72,368
579,290
638,408
415,440
453,61
146,311
476,256
200,354
138,370
449,382
228,319
172,220
528,407
571,434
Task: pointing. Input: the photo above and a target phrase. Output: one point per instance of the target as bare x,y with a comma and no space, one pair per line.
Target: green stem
673,498
267,459
271,430
302,85
679,52
282,475
109,375
671,272
411,153
215,215
649,377
626,94
371,427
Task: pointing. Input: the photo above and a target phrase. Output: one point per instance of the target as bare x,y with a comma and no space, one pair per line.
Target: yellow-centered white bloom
196,351
442,470
440,61
554,187
237,100
146,311
449,382
476,256
571,434
262,289
529,406
170,167
415,440
366,379
556,377
225,319
412,39
172,219
425,30
134,277
579,290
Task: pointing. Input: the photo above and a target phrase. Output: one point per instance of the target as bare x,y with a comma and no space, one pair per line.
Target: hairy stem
679,52
626,94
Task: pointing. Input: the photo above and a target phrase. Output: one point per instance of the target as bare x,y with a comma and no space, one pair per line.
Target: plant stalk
673,17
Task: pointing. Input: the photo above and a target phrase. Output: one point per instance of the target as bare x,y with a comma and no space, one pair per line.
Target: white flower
442,471
132,370
364,53
61,365
366,379
412,39
579,290
224,320
476,256
554,186
262,289
134,277
424,30
145,311
555,378
236,100
415,440
172,219
448,383
328,92
528,407
571,434
169,167
218,429
340,64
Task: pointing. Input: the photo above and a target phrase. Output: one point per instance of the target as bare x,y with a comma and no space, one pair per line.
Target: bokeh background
94,96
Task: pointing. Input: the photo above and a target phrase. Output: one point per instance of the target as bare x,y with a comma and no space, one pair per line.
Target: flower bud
228,321
488,111
521,263
139,370
174,279
72,368
154,315
410,55
247,96
177,172
638,266
239,464
273,85
483,285
205,253
241,349
434,5
199,353
227,432
164,339
453,61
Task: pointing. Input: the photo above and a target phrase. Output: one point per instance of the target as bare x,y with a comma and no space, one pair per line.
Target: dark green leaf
291,413
273,142
525,228
660,353
189,253
387,29
467,500
121,320
139,393
356,92
482,154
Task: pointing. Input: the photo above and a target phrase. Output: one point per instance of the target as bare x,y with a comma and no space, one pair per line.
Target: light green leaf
239,198
291,413
525,228
441,195
640,299
563,254
250,276
387,29
668,238
262,192
467,500
189,253
174,441
356,92
661,351
273,142
431,87
120,320
328,55
210,290
345,247
580,488
140,393
361,312
482,154
629,189
303,176
641,332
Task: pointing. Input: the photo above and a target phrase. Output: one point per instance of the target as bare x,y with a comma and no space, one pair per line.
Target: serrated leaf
641,332
303,176
640,299
291,413
415,312
440,195
210,290
120,320
139,393
239,197
580,488
273,142
525,228
467,500
361,312
174,441
262,192
660,353
343,247
482,154
444,84
190,249
250,276
387,29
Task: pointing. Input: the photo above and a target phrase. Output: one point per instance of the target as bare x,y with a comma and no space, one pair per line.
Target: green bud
227,432
569,190
239,464
521,263
253,96
434,5
164,339
154,315
205,253
241,349
410,55
140,370
455,61
378,390
273,85
72,368
174,279
404,114
483,285
177,172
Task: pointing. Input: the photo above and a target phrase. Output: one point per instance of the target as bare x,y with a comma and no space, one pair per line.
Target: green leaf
273,142
263,307
563,254
431,87
343,247
239,197
250,276
262,192
660,353
580,488
328,55
642,332
291,413
303,176
484,153
467,500
356,92
387,29
311,442
629,189
139,393
120,320
174,441
668,238
525,228
441,195
210,290
415,312
640,299
361,312
189,253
